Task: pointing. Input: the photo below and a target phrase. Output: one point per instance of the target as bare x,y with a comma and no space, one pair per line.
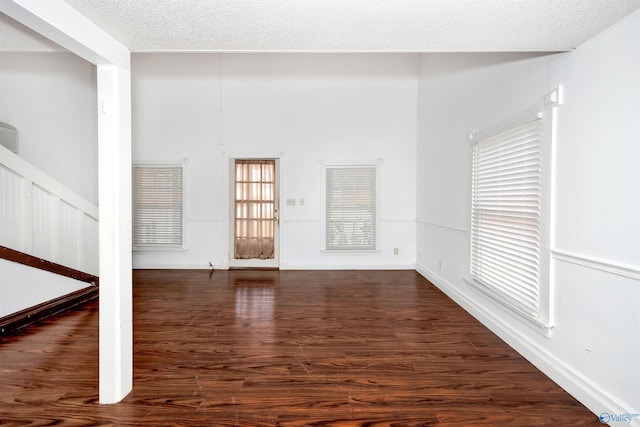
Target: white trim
294,220
338,252
624,270
359,162
156,249
405,220
582,388
396,220
442,226
333,264
187,265
528,114
244,155
205,219
545,328
535,111
554,98
373,265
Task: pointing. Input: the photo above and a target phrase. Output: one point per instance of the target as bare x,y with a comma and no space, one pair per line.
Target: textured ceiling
353,25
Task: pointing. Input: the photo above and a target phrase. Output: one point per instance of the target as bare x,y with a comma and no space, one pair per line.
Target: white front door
254,213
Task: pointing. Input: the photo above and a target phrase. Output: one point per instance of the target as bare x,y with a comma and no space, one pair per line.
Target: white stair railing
41,217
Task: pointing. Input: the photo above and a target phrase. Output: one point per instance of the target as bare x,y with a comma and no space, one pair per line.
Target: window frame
542,318
324,220
183,246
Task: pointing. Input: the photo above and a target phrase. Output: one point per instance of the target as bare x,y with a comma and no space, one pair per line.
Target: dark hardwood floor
267,348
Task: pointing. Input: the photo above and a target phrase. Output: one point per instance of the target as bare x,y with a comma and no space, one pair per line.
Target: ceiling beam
62,24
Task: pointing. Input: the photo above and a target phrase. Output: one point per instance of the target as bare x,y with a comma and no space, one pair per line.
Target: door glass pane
254,209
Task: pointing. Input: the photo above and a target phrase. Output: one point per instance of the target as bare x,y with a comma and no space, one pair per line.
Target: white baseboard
576,384
284,265
186,266
332,265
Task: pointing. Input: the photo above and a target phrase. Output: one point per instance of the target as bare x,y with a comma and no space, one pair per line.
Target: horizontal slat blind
506,214
157,206
351,208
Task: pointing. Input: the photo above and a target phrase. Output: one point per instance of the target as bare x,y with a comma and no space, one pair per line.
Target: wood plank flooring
291,348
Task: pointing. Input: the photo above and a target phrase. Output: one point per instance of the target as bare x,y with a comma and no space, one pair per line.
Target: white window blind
506,215
157,206
351,222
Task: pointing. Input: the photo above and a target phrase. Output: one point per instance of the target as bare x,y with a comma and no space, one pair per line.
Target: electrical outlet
396,251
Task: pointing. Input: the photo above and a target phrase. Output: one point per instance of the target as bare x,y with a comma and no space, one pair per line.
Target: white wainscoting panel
11,209
41,217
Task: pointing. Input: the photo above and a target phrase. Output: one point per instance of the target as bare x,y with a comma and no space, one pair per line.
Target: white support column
62,24
114,164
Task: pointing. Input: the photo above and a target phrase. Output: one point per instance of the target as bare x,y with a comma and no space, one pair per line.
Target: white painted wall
598,213
23,287
51,99
302,108
593,352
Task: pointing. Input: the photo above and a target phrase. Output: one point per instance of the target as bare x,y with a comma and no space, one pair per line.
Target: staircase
48,245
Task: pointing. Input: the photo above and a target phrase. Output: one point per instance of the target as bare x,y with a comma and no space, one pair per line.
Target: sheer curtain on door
254,209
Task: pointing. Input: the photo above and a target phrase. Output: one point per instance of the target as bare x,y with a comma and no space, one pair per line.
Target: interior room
100,94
